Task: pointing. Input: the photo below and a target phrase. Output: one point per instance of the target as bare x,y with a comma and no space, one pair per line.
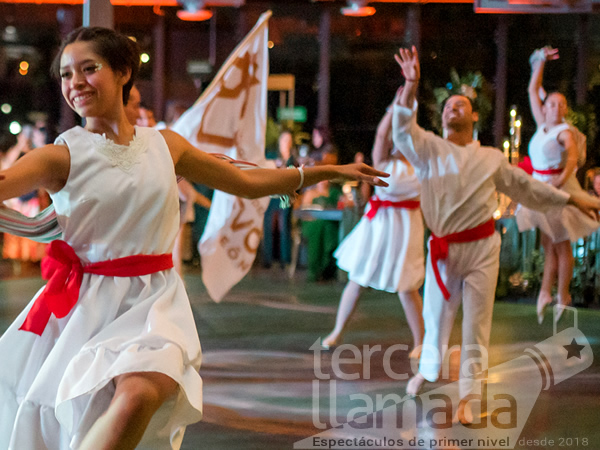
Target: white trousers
470,273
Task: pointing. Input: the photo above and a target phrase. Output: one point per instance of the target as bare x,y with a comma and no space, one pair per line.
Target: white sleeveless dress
560,224
118,201
387,252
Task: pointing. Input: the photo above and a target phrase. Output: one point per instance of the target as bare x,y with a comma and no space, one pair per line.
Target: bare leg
565,274
565,270
137,397
549,277
347,306
413,309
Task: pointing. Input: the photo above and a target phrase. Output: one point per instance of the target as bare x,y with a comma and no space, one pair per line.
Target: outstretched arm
538,62
538,195
199,167
43,168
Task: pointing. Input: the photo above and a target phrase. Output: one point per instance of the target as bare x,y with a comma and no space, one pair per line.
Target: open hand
408,60
361,172
550,53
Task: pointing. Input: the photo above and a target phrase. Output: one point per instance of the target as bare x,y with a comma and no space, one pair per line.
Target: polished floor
268,386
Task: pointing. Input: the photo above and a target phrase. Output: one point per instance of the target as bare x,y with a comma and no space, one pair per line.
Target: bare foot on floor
415,384
330,341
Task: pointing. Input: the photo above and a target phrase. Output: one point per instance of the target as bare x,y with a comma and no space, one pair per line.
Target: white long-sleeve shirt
459,183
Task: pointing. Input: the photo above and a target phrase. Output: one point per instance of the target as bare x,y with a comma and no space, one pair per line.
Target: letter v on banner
230,117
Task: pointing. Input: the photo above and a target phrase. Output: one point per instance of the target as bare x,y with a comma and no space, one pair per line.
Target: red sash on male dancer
376,203
438,246
64,271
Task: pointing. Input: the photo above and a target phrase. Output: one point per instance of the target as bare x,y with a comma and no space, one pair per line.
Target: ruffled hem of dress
365,243
571,225
92,370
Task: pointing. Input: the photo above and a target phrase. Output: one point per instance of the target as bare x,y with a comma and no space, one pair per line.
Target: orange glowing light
363,11
198,16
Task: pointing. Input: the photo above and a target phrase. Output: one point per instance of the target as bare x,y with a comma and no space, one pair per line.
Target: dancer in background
21,251
280,214
459,179
385,249
110,359
554,152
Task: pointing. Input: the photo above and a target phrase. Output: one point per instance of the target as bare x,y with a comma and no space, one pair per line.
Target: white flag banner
230,118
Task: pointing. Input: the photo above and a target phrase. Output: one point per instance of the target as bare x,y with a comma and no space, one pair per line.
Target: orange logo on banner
248,79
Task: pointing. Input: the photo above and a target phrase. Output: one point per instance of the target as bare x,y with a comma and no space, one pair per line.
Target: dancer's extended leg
137,397
566,262
413,309
548,279
348,302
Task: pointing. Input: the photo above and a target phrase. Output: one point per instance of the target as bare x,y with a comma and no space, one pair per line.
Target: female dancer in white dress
554,153
110,343
385,250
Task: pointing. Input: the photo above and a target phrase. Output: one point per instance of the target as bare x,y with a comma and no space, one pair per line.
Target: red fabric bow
526,165
376,203
438,247
63,269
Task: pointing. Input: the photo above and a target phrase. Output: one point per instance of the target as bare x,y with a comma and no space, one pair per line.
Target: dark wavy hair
121,52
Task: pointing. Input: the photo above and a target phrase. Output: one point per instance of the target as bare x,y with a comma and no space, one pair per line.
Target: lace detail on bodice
122,156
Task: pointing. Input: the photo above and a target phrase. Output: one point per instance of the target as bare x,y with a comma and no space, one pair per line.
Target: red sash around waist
64,271
438,246
528,167
376,203
549,171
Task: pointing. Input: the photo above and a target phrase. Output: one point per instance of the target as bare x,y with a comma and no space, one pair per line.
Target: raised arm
538,62
382,147
199,167
408,60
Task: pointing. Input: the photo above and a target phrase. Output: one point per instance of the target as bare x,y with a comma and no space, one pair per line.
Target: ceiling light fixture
193,10
358,8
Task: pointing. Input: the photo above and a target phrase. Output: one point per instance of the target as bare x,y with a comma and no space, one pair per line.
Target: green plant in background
529,282
472,85
584,118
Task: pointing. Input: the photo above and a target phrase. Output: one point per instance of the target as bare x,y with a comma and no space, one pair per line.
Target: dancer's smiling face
88,83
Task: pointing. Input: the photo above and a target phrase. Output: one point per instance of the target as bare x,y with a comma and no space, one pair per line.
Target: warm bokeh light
362,11
24,65
198,16
6,108
15,128
513,113
145,57
506,145
23,71
270,44
518,123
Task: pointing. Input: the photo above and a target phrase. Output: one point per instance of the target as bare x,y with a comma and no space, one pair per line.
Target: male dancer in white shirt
458,197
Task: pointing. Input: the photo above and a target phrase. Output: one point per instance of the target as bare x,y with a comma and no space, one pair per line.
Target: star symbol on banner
574,349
